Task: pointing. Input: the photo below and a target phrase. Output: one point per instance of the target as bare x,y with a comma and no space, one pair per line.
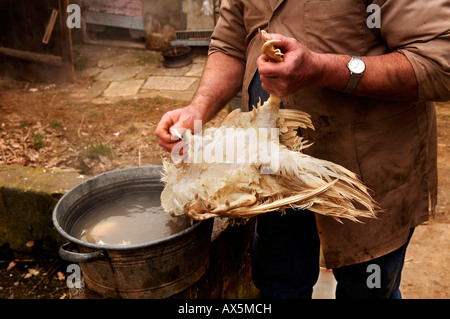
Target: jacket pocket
389,153
336,26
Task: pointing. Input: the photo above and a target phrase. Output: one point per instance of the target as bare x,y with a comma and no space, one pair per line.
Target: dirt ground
42,126
46,129
425,273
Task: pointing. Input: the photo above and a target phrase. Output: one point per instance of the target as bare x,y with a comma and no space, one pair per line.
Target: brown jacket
391,145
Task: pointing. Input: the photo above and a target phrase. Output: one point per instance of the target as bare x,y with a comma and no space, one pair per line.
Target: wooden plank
50,26
32,56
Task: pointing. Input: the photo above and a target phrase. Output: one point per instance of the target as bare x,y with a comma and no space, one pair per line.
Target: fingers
173,125
274,79
163,132
285,44
265,36
275,86
291,74
272,36
177,144
168,145
267,67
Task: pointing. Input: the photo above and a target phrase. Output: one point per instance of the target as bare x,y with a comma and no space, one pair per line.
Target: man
369,92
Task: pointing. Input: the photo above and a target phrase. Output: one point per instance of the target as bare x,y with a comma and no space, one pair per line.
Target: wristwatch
356,67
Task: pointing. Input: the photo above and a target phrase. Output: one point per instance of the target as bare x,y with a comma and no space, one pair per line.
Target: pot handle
79,257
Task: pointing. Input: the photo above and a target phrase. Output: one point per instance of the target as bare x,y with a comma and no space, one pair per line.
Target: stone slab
48,180
123,88
171,83
27,198
95,90
196,70
119,73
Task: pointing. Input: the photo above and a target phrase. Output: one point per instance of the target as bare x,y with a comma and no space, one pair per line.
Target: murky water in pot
132,219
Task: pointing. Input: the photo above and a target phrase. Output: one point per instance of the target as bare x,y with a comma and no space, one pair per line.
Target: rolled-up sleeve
420,30
229,34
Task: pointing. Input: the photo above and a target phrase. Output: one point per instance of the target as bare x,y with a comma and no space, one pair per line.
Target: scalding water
132,219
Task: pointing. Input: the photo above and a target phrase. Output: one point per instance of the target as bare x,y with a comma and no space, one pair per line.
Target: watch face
357,66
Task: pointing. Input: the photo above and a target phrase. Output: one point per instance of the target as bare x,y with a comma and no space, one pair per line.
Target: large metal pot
177,56
156,269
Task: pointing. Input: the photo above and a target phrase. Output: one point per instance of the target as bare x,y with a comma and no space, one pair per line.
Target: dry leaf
32,272
11,265
61,276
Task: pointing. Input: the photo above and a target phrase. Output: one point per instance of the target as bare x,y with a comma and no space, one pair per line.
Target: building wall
160,18
199,14
163,17
132,8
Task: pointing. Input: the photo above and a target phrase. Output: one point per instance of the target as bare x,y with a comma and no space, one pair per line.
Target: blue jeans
256,93
285,261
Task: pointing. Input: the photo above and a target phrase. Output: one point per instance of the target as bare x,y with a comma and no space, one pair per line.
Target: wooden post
66,39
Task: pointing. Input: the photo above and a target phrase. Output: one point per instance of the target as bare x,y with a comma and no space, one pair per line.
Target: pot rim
186,50
80,242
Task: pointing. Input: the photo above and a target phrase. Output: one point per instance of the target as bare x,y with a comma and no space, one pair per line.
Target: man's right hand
220,82
176,121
